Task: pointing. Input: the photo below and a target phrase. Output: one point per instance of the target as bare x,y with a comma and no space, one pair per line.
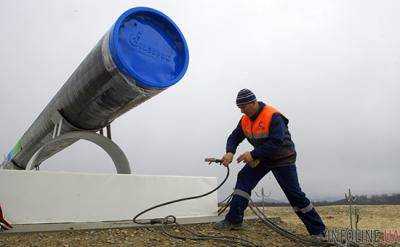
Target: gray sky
331,66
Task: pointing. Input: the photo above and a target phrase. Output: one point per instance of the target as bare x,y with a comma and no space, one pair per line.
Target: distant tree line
383,199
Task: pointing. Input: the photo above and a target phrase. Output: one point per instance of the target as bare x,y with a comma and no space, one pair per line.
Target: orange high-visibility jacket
258,128
268,133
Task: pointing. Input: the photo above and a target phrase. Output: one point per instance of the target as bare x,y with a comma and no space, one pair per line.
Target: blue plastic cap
147,45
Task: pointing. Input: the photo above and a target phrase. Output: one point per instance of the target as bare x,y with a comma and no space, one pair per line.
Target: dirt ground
381,217
372,217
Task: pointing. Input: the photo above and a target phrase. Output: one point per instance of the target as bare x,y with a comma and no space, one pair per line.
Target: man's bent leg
288,181
247,179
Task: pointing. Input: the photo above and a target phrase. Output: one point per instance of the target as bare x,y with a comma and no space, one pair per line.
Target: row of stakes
263,196
353,210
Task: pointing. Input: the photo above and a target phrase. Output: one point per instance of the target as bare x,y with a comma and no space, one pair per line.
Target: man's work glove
248,159
227,159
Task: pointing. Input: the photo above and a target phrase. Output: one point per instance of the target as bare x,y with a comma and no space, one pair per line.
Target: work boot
227,225
319,237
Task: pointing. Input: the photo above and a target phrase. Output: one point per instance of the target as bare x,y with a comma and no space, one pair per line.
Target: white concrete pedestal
35,197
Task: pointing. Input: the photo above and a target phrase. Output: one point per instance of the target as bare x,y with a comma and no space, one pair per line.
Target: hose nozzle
212,160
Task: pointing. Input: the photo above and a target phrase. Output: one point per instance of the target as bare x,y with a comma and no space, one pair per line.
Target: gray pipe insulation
141,55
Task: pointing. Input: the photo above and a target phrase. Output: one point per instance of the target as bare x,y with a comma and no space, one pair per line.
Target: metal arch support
116,154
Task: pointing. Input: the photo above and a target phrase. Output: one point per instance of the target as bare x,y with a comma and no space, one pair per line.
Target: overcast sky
332,67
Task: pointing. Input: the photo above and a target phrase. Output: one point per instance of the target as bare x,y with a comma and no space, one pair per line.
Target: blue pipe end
148,46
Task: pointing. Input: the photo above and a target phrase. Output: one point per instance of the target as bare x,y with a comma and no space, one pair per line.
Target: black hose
154,221
171,220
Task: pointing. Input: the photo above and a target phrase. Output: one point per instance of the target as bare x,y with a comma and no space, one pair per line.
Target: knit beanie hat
244,97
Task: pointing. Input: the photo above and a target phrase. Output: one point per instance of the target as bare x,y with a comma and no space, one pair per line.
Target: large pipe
142,54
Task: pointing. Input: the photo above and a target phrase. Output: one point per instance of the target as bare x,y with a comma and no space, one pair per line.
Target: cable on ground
170,220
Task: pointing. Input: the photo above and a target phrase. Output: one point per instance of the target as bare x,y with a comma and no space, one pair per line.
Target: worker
266,129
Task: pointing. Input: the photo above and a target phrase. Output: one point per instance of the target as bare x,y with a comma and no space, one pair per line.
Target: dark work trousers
286,176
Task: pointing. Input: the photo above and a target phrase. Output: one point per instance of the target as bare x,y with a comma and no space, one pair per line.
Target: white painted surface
52,197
